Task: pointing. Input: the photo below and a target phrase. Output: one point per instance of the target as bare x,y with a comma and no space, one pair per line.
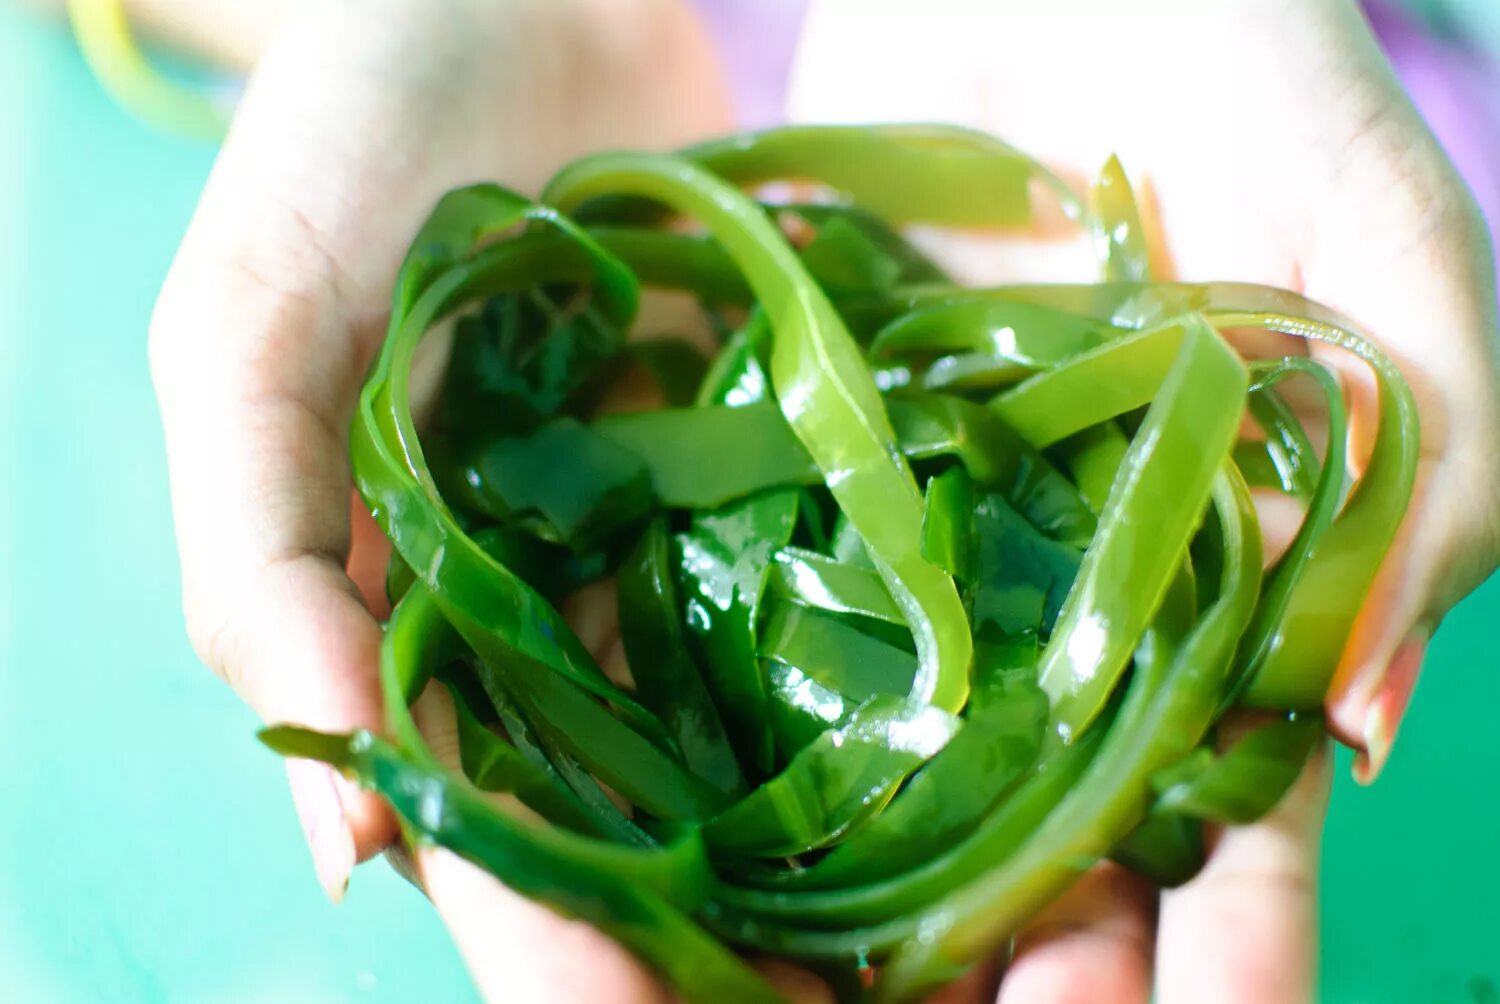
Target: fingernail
1388,707
315,792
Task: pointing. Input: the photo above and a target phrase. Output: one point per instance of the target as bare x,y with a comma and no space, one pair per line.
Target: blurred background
148,851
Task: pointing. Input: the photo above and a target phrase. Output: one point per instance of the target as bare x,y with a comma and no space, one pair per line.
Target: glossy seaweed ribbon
932,596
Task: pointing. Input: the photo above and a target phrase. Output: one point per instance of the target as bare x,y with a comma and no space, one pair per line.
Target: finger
593,613
369,558
795,984
1395,206
258,344
518,951
515,949
261,336
1421,578
1244,930
350,129
1280,516
980,984
1093,945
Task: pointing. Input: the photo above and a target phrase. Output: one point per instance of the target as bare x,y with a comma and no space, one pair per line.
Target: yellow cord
111,52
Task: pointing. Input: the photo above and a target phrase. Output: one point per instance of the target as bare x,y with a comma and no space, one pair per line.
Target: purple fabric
1457,90
756,39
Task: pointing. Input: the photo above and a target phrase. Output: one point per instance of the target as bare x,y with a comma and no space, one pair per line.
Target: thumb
1445,548
260,490
1439,326
260,338
516,949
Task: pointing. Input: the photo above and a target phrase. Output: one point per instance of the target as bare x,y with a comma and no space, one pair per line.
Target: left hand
1277,148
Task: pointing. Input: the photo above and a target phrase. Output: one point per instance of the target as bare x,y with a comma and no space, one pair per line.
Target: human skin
359,115
1277,147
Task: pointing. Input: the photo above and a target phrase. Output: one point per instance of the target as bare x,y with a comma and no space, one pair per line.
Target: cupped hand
1275,146
357,118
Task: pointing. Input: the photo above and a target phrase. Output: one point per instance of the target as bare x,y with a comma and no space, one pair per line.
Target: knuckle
213,636
1233,885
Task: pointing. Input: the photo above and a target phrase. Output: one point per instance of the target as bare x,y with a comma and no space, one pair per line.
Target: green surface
148,851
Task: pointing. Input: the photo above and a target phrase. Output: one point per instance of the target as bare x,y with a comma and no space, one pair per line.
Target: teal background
148,851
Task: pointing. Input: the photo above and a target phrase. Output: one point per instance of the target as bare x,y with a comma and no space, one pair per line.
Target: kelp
931,596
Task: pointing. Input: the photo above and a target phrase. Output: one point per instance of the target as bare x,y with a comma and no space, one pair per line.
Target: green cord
111,51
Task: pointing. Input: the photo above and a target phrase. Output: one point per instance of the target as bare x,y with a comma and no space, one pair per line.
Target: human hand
357,119
1277,148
